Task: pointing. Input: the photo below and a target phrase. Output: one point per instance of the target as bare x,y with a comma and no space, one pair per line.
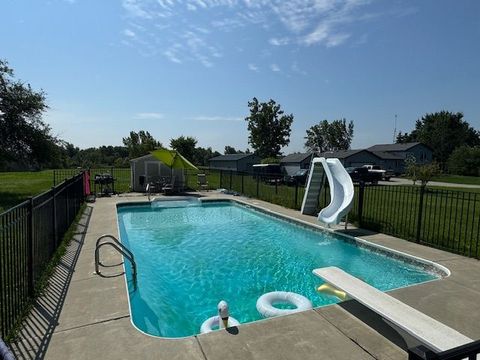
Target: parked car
359,174
385,174
268,173
300,177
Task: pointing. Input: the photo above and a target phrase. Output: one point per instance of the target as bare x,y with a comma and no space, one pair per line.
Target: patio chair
202,181
170,188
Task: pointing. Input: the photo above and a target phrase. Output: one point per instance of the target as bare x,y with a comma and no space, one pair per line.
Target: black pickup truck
359,174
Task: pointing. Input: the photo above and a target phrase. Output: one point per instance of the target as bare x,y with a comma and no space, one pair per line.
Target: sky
190,67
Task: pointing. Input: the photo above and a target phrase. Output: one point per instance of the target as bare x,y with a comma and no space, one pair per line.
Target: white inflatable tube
214,321
266,301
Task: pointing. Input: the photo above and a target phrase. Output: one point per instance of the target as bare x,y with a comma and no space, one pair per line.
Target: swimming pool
191,257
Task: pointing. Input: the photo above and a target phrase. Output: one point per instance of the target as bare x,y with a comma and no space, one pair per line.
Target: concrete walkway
85,316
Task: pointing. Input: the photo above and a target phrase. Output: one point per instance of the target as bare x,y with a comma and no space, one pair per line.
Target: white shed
147,168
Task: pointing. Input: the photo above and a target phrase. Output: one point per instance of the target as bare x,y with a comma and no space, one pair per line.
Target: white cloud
129,33
158,25
274,68
279,41
149,116
337,39
253,67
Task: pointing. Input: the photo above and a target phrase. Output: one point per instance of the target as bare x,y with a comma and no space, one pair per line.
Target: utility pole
395,129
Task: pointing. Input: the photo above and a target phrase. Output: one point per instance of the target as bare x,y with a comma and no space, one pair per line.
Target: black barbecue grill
106,182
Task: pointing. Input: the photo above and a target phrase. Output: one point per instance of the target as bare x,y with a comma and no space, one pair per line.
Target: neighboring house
234,162
399,152
353,158
147,169
290,164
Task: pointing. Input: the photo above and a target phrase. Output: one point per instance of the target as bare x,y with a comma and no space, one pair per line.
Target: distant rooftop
340,154
393,147
230,157
295,158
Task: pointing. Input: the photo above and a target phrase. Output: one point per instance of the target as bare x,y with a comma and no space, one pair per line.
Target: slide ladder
315,181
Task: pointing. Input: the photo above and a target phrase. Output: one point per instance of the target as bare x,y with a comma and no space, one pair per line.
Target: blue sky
189,67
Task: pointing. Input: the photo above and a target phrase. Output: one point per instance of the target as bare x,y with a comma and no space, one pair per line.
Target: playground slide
341,192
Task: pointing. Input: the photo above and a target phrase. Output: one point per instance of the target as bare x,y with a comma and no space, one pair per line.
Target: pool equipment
223,320
266,302
333,291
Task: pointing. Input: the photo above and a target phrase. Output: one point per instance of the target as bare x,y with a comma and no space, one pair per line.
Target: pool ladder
117,245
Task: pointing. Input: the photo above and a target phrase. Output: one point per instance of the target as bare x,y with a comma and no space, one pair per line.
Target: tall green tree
185,145
232,150
443,132
140,143
25,140
269,128
326,136
465,160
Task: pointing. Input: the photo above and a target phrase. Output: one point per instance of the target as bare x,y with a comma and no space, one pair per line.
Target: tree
25,140
326,136
269,128
232,150
202,155
185,146
140,143
443,132
465,160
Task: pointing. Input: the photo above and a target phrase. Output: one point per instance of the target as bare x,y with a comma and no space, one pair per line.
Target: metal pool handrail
117,245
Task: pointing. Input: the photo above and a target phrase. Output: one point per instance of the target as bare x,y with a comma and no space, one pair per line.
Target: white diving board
429,331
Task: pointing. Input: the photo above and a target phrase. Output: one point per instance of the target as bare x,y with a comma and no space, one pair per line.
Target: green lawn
16,187
458,179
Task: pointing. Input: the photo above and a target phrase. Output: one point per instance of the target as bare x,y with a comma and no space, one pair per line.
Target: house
388,156
352,158
290,164
234,162
147,168
397,153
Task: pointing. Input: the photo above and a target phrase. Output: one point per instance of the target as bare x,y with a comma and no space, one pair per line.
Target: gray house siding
359,159
422,154
243,164
147,169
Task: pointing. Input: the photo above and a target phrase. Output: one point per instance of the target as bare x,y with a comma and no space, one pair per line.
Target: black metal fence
29,235
121,177
445,219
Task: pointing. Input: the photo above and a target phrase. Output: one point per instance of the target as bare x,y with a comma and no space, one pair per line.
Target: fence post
296,194
54,218
361,192
258,185
420,212
230,187
54,177
221,178
113,180
242,184
30,247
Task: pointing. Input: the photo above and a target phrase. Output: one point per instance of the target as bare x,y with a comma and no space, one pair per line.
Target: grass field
458,179
16,187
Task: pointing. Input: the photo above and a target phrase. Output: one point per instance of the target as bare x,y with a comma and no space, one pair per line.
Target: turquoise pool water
190,258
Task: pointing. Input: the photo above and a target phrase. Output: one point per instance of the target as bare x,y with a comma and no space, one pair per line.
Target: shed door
152,170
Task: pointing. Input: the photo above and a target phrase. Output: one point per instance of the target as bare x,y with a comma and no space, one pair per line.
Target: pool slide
341,190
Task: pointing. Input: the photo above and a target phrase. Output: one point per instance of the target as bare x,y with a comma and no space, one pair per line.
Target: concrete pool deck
85,316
